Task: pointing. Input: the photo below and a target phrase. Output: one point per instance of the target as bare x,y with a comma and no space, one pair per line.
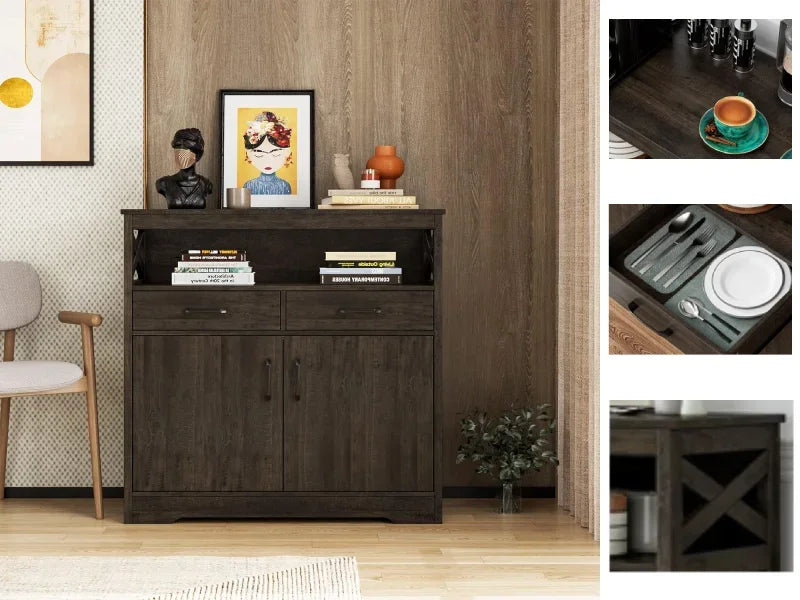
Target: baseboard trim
475,491
60,492
472,491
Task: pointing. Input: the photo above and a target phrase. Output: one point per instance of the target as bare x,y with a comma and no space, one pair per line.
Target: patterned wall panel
66,222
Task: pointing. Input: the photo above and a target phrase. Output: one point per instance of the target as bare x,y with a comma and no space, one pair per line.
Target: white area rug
178,578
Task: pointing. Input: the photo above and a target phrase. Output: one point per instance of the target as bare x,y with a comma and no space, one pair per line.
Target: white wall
66,222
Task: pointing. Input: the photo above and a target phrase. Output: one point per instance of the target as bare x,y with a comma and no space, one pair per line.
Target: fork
704,251
701,238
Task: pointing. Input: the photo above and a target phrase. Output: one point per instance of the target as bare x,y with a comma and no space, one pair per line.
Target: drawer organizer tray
657,304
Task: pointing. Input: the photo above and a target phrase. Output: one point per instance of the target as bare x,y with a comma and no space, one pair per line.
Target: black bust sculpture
186,189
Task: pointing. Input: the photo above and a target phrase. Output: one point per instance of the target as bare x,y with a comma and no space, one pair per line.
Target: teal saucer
754,140
787,154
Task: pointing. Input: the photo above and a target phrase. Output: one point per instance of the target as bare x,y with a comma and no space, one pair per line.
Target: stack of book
368,199
361,268
213,267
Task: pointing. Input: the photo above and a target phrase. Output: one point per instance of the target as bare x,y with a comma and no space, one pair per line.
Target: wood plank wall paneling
467,91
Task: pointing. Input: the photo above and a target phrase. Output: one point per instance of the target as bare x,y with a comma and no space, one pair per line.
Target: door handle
296,380
268,365
666,332
205,311
374,311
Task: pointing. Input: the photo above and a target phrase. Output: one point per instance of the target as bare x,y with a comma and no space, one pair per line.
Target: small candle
370,179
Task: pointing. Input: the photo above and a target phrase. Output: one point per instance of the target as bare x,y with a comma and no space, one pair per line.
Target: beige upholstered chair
20,303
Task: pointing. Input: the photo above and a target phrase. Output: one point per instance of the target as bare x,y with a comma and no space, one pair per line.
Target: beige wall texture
66,222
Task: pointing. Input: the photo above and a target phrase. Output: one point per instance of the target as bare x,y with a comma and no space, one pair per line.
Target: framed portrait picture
268,146
46,82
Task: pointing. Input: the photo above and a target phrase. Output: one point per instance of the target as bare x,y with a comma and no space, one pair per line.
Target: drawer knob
360,311
205,311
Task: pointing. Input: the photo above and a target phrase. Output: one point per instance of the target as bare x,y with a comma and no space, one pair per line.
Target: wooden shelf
633,562
304,287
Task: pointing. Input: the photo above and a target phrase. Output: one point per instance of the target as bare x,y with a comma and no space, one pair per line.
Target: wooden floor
475,552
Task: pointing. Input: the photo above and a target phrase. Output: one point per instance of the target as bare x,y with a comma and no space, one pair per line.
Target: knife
684,236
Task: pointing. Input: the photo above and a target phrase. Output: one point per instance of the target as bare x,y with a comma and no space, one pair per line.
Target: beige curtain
578,265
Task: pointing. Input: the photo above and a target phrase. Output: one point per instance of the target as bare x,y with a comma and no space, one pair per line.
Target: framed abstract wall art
46,82
268,146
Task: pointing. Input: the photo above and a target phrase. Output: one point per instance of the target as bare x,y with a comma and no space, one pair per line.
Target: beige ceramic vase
389,165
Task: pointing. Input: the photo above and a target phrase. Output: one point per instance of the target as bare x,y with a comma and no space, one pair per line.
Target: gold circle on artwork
16,92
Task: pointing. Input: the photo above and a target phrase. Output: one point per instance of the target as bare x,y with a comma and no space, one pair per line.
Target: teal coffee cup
734,116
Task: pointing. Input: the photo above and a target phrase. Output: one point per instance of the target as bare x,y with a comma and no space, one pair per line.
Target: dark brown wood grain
217,409
359,413
469,94
730,461
207,413
209,310
659,105
344,310
399,509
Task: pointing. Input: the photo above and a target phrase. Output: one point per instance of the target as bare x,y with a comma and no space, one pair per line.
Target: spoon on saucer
692,311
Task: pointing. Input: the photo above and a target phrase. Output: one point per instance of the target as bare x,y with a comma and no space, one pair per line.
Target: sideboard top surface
653,421
282,218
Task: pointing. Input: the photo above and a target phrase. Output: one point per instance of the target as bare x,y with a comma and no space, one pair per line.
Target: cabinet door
358,413
207,413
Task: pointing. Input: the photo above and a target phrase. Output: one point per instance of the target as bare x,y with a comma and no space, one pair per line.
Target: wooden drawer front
216,310
345,310
653,316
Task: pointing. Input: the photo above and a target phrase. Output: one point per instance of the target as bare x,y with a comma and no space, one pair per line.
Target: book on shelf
218,264
360,264
204,269
215,252
368,207
361,271
213,279
335,255
364,199
189,257
366,192
361,279
213,267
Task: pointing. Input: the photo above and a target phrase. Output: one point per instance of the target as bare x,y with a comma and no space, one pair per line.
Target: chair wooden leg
5,413
94,427
94,445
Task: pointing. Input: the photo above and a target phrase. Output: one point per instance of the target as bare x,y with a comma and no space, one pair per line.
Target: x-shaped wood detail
723,500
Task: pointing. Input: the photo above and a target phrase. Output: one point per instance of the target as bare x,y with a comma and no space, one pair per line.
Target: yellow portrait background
245,171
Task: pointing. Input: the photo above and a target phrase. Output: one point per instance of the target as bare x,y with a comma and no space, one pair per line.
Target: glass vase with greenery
506,447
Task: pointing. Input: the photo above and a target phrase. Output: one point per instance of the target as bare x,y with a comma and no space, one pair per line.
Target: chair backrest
20,295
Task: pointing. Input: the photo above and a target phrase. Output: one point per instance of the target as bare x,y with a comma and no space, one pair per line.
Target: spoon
703,308
677,225
689,309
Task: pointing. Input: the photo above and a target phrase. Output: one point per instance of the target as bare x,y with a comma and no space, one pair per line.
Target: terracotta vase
390,165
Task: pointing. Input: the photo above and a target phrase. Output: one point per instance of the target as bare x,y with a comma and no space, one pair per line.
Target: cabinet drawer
216,310
345,310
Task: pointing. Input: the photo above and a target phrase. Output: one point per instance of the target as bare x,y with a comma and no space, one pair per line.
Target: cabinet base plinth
168,508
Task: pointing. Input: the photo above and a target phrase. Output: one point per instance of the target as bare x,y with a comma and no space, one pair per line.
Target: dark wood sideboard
717,480
286,398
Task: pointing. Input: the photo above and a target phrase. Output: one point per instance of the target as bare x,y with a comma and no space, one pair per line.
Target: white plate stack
747,281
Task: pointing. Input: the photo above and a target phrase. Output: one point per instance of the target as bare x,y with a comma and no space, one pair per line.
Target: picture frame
47,88
267,146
